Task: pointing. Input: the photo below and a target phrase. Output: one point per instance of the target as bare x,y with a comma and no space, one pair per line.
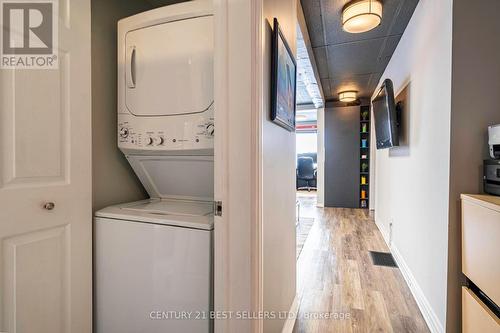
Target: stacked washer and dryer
153,258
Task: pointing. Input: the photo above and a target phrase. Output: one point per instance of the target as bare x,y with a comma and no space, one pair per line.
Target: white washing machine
153,268
153,258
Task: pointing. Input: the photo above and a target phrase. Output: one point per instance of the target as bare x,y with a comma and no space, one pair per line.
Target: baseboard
294,309
428,313
385,235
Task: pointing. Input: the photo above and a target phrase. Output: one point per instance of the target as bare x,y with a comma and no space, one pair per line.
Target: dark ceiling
353,61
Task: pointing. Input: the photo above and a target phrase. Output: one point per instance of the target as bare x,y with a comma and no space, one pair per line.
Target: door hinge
218,208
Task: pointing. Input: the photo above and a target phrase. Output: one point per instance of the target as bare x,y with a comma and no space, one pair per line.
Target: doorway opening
306,173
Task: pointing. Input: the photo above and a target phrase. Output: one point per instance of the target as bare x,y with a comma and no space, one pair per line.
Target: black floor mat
383,259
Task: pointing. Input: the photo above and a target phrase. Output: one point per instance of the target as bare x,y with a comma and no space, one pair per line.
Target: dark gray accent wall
474,106
342,156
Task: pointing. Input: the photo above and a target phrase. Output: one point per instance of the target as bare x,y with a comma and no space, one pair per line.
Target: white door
45,158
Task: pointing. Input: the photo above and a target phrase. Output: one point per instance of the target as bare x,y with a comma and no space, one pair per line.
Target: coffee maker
492,166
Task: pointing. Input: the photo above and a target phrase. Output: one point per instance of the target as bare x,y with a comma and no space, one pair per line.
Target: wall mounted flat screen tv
385,117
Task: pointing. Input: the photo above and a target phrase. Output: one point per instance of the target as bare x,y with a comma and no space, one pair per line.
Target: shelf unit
364,156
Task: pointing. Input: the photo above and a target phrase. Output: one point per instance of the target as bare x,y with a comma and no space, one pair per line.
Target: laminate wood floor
342,291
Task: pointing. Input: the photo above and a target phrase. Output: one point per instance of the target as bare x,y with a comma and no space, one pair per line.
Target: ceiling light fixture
348,96
361,15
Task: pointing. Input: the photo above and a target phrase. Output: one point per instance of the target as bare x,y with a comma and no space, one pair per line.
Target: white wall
412,190
278,181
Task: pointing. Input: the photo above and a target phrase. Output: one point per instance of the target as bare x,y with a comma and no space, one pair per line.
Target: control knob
160,141
123,132
210,129
149,141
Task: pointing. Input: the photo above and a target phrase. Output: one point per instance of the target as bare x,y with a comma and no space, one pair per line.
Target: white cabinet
476,317
480,264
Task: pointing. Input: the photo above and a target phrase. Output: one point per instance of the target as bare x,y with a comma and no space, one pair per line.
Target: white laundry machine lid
175,177
181,213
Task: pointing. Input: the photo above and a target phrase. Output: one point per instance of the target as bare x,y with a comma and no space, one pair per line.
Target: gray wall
278,189
113,179
475,105
342,144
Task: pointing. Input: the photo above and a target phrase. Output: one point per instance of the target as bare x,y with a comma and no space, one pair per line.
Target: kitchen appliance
492,176
491,166
494,141
154,257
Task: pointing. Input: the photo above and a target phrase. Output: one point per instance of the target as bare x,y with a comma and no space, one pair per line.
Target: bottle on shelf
364,166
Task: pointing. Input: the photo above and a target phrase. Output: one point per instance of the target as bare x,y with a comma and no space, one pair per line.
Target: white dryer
165,81
153,258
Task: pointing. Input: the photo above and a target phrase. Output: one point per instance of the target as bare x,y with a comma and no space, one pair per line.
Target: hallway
338,280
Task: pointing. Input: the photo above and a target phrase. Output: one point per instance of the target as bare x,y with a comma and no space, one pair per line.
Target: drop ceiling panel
403,16
346,59
386,52
312,9
354,58
321,61
325,83
360,83
394,20
372,84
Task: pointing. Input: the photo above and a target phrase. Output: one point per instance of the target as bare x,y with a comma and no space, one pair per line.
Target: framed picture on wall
284,81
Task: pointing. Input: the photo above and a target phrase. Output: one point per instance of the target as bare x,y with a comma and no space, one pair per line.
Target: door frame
238,246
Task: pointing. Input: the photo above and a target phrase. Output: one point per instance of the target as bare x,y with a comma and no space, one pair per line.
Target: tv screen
385,116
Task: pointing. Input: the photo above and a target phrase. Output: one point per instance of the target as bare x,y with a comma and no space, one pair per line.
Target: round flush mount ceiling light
348,96
361,15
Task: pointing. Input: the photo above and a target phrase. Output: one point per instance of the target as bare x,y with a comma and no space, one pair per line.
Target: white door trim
221,242
293,312
258,118
238,163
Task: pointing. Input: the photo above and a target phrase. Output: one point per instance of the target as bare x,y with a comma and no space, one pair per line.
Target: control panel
187,133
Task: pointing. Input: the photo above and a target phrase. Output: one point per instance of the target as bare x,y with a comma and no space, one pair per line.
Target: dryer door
169,68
